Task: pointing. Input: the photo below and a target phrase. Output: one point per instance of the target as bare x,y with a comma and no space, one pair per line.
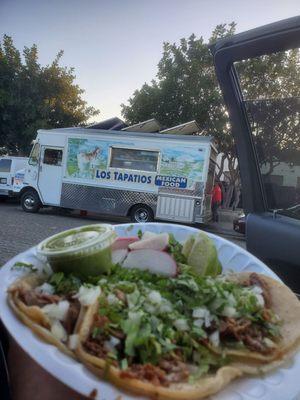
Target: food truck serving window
52,157
142,160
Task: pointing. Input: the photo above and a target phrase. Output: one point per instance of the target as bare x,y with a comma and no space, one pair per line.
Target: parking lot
20,231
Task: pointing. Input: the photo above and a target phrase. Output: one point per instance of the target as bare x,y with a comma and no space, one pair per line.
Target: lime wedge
187,245
203,256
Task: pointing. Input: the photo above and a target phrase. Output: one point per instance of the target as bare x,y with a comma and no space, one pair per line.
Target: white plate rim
267,388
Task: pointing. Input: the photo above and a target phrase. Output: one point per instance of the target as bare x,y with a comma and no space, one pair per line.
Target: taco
189,336
279,303
50,311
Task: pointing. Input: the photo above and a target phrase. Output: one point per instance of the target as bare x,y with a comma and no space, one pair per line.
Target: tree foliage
271,89
186,88
34,96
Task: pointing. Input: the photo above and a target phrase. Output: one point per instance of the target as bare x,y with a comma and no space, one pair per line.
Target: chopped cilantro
175,248
65,284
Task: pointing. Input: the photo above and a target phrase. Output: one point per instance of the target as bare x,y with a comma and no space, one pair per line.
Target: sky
115,45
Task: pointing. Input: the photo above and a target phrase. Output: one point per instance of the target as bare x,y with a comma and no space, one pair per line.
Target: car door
258,72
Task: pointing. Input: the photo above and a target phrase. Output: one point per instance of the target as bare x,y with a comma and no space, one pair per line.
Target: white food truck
9,166
142,175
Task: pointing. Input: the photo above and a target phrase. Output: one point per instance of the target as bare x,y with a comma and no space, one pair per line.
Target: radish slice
157,242
123,242
118,256
157,262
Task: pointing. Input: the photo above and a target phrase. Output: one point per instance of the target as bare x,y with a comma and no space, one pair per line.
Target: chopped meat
233,328
120,295
255,279
72,316
32,298
95,347
117,333
146,372
242,330
266,314
177,371
100,321
256,344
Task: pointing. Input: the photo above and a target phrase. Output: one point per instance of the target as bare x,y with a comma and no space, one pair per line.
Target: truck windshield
270,86
34,155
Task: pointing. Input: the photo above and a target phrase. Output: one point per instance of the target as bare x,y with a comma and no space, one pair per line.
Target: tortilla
33,316
286,306
284,303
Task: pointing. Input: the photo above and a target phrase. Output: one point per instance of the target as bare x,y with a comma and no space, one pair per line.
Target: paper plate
283,384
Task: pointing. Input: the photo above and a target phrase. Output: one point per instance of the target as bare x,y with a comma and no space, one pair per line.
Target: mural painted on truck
88,159
186,162
85,157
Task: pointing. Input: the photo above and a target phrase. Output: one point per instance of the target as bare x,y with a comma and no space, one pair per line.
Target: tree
271,89
34,97
186,88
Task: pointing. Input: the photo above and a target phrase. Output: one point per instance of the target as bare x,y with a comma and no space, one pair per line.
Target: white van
142,175
8,168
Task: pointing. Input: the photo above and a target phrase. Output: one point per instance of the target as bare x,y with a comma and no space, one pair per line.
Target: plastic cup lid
77,239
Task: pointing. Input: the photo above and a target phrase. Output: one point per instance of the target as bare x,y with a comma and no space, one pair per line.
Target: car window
270,87
135,159
52,157
5,165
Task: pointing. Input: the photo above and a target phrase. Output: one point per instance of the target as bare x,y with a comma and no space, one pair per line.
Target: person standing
216,201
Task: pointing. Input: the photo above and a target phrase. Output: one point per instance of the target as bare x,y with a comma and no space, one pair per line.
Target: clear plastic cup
83,251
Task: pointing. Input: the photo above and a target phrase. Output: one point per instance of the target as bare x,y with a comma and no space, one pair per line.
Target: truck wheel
30,201
141,213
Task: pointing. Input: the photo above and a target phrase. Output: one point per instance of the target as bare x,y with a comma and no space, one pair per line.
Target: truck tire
141,213
30,201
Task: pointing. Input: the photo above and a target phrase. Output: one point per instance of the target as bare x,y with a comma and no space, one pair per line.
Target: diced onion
154,297
45,288
199,322
181,324
114,341
165,307
260,300
200,312
88,295
256,289
207,320
112,299
269,343
214,338
111,344
73,341
57,311
58,331
229,312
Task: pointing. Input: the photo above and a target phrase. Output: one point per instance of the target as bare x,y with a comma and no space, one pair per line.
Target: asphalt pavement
20,231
